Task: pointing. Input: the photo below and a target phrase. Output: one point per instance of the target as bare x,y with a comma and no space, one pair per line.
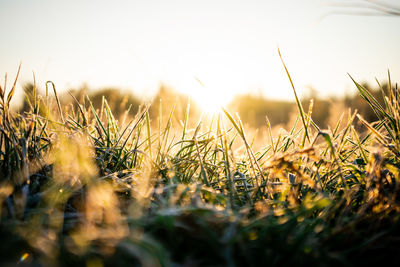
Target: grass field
79,187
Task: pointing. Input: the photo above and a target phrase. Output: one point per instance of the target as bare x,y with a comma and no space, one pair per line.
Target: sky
230,46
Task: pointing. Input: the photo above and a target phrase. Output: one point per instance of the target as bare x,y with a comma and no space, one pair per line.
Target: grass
79,186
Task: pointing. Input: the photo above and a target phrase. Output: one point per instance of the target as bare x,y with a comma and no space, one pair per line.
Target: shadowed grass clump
80,187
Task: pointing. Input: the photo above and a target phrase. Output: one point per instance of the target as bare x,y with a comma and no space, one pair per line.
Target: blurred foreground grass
79,186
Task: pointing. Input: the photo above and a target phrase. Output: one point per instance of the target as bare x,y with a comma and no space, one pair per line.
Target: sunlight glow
211,99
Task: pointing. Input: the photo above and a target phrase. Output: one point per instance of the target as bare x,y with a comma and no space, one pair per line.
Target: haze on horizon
229,45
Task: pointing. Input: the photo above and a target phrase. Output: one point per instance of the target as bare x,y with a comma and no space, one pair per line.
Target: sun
210,98
210,102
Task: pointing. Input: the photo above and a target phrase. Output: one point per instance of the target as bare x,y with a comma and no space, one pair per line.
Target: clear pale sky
229,45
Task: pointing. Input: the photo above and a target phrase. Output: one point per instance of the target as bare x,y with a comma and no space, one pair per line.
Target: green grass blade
299,106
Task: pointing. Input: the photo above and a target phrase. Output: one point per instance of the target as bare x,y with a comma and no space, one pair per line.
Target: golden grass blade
148,133
11,93
378,135
85,121
299,106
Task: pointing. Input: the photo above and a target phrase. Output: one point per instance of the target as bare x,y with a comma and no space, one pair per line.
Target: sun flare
211,99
